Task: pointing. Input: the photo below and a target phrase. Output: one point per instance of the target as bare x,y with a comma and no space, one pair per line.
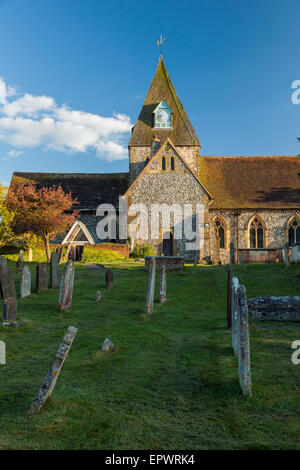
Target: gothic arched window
163,163
256,233
221,231
294,231
172,163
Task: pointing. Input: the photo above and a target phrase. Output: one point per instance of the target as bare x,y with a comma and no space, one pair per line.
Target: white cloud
37,121
12,154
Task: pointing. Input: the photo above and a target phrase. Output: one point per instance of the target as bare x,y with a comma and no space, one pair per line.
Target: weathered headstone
25,284
229,289
66,286
54,270
107,345
232,252
3,261
286,254
163,285
30,254
8,293
53,373
234,313
244,342
20,261
150,286
98,296
41,277
109,278
295,254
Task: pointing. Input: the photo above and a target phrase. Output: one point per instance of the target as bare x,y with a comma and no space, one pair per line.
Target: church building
252,201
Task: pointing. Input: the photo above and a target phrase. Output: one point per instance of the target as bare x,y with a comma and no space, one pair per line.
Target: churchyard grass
172,382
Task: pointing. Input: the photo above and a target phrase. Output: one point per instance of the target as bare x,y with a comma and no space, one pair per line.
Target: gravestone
66,286
109,278
98,296
3,261
20,261
234,313
243,342
54,270
41,277
295,254
25,284
232,254
30,254
162,285
107,345
53,373
286,254
8,293
150,286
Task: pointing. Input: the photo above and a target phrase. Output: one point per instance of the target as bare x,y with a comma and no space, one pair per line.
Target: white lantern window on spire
162,116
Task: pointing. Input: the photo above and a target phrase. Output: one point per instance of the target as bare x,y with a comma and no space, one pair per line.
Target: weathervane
160,43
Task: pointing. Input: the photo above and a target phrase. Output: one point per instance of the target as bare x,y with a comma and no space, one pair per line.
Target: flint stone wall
275,308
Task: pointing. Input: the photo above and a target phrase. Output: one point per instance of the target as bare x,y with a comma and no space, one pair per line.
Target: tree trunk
46,240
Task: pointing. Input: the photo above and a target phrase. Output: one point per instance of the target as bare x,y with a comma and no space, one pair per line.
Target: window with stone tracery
294,231
256,233
220,231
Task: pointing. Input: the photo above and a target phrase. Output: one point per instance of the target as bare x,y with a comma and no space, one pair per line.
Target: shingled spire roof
182,133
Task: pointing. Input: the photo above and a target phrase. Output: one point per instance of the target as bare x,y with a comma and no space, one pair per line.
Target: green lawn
172,382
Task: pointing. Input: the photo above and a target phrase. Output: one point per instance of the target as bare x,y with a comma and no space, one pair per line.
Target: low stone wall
275,308
172,263
260,255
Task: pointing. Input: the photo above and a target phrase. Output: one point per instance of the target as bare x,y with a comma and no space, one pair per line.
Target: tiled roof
252,182
91,189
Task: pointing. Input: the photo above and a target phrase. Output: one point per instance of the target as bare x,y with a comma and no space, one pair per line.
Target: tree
7,236
46,211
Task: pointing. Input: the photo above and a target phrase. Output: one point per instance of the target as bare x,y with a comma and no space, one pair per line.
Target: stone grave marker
163,285
229,292
25,284
107,345
30,254
98,296
150,286
20,261
109,278
53,373
8,292
286,254
41,277
243,342
295,254
234,313
3,261
66,286
54,270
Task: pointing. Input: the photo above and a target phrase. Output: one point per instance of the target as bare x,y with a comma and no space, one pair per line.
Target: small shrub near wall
141,250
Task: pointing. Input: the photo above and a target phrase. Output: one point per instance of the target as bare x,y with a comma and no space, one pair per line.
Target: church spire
181,131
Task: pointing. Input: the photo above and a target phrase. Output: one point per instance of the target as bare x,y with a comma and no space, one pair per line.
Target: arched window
163,163
294,231
256,233
172,163
221,231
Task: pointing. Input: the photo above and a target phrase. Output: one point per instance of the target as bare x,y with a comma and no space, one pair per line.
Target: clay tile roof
91,189
252,182
162,89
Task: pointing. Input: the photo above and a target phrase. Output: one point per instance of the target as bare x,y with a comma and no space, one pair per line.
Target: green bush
38,254
142,249
91,255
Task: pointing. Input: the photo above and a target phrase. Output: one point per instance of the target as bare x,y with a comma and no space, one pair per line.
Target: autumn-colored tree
45,212
7,236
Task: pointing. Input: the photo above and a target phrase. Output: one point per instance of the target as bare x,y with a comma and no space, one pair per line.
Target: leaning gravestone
3,261
162,285
30,254
66,286
295,254
8,292
109,278
41,277
25,284
243,341
54,270
150,286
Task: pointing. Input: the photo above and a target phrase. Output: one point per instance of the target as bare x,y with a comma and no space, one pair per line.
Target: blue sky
75,74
